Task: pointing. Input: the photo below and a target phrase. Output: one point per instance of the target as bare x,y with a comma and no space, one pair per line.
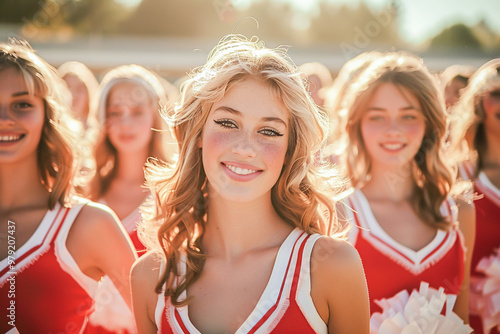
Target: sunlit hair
105,153
460,73
433,177
174,225
322,73
85,75
468,137
334,100
56,150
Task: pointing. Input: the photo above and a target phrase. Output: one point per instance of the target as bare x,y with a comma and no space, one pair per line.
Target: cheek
273,152
214,141
416,131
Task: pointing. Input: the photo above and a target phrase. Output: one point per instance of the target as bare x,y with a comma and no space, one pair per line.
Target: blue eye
226,123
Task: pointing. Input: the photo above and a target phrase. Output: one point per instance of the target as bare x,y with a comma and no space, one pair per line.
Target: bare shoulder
338,286
96,216
146,269
334,257
144,276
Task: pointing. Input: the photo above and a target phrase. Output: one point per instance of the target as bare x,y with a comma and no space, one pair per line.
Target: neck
234,228
394,184
131,166
20,186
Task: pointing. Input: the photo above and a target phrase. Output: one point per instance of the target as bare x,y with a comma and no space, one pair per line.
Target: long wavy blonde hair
434,178
174,224
105,154
56,154
468,138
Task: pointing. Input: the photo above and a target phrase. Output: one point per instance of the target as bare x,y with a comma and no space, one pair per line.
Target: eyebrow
239,113
401,109
20,94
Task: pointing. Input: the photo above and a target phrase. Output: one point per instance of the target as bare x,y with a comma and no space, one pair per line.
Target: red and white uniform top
391,267
285,306
52,294
487,235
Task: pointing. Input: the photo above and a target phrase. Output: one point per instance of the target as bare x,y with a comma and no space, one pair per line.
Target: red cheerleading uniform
51,292
487,237
290,311
112,314
391,267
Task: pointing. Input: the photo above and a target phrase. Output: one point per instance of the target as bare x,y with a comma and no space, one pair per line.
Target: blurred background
173,36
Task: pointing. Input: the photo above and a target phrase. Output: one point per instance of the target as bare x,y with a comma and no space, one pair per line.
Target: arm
144,276
467,225
338,287
101,246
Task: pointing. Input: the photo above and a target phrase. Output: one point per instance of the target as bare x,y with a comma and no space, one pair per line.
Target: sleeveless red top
290,311
391,267
51,293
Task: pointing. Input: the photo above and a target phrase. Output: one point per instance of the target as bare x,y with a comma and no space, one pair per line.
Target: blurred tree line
351,27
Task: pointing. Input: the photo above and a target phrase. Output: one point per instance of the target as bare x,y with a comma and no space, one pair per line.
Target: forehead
128,93
253,97
391,94
12,81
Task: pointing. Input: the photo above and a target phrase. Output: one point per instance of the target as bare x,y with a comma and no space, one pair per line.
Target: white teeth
392,146
9,138
240,171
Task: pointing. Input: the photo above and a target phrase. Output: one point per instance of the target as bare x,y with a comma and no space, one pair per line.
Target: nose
5,117
244,146
393,129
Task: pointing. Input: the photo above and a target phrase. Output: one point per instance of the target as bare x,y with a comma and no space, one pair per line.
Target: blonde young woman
335,97
83,85
236,227
477,123
53,247
127,105
407,227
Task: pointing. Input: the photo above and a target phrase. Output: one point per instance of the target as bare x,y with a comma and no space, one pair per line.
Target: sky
419,19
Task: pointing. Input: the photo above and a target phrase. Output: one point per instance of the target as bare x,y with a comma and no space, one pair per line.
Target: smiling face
244,141
129,117
393,126
21,118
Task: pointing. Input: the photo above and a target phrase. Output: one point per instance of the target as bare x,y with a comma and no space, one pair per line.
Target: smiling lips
393,146
240,172
10,138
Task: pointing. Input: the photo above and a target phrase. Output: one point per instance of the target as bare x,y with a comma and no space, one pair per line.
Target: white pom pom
418,313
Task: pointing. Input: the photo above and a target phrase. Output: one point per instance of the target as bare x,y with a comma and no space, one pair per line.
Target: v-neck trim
374,227
268,298
488,188
38,242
